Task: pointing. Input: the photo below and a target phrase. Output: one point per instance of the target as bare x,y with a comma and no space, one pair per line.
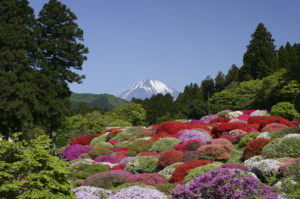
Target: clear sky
174,41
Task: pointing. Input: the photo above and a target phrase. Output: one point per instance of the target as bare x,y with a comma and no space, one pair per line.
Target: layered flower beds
233,154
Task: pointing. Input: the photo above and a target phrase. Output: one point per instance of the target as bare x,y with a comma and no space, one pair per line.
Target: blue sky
174,41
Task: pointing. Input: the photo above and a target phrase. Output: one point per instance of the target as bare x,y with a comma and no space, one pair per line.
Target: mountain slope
147,88
102,101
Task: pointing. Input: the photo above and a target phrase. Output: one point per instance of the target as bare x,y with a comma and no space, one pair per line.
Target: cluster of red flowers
84,139
217,131
119,167
199,125
263,121
220,120
182,170
152,179
181,145
254,147
154,154
170,157
171,127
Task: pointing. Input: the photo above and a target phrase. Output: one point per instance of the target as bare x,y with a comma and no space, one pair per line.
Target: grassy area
236,155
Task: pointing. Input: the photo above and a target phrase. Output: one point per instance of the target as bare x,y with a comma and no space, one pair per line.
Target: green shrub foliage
28,170
285,109
282,132
164,144
247,138
142,164
99,151
282,147
140,146
84,170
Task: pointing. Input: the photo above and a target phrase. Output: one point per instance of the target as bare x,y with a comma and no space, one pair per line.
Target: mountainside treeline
267,76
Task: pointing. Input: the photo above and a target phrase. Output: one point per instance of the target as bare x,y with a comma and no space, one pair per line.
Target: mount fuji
146,88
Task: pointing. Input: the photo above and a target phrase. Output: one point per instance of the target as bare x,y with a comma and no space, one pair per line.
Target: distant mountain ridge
146,88
102,101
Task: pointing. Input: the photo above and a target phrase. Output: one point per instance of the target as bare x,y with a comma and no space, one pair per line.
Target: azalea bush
247,138
84,192
224,183
274,127
282,147
152,179
73,151
170,157
190,155
285,110
219,129
224,142
164,144
171,127
193,145
99,151
254,147
214,152
181,171
84,170
139,146
107,179
83,139
142,164
186,135
263,121
168,171
106,158
220,120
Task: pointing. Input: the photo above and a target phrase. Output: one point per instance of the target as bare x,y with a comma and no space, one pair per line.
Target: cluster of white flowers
266,168
137,192
234,114
82,161
147,138
264,135
258,113
87,192
291,135
108,164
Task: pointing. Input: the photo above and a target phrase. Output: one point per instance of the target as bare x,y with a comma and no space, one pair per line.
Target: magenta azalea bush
235,166
73,151
106,158
224,183
137,192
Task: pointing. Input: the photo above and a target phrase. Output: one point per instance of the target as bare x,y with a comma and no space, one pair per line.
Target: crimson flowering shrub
217,131
152,179
274,127
229,137
154,154
171,127
220,120
214,152
181,171
254,147
170,157
73,151
263,121
120,155
119,167
234,136
222,141
106,158
224,183
199,125
107,179
83,140
247,112
113,142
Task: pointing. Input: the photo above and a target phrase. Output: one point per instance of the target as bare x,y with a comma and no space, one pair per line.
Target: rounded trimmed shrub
214,152
73,151
107,179
223,183
222,141
199,171
99,151
247,138
165,188
282,147
164,144
226,127
274,127
285,110
254,147
181,171
186,135
142,164
106,158
190,155
170,157
102,144
168,171
84,170
139,146
152,179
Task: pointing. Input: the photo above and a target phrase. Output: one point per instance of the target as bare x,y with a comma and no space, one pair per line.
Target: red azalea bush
113,142
222,141
214,151
170,127
190,155
274,127
263,121
182,170
254,147
229,137
154,154
83,140
220,120
151,179
234,136
181,145
120,155
199,125
123,148
119,167
170,157
247,112
217,131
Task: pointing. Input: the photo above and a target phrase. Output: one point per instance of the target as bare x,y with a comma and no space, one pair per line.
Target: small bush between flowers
232,154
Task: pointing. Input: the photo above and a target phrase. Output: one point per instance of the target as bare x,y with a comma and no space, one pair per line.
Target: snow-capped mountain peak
146,88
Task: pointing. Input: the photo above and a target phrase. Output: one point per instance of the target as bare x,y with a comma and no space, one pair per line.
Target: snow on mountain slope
147,88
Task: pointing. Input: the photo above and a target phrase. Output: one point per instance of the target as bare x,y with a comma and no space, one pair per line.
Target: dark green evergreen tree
219,81
260,58
59,42
232,75
207,88
21,85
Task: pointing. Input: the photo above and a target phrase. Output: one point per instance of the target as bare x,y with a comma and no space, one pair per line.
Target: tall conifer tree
260,58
